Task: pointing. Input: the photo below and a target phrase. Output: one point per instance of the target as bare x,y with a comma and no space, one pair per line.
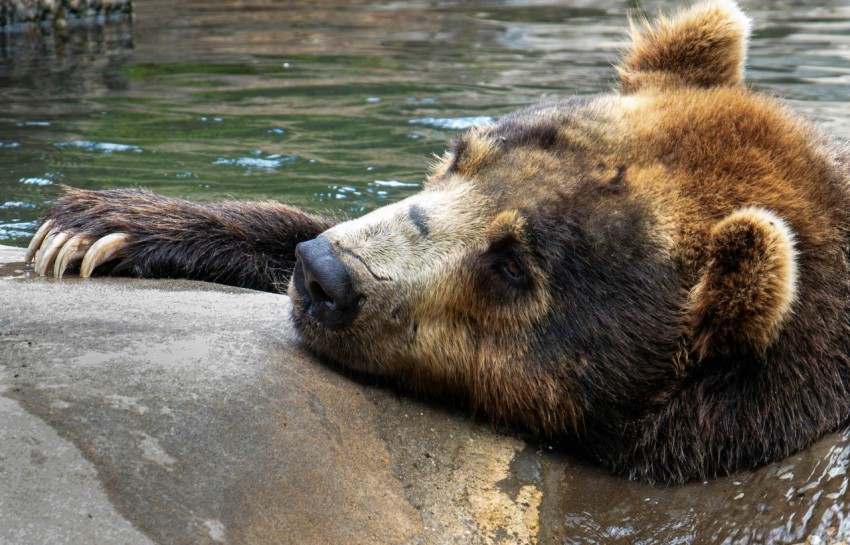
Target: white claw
35,243
105,249
52,244
73,250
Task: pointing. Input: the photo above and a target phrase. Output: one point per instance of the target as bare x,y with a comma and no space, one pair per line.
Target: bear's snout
324,284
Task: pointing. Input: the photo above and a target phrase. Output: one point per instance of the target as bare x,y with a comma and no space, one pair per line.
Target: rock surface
182,412
138,411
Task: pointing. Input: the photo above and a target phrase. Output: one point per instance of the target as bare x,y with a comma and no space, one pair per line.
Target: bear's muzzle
324,283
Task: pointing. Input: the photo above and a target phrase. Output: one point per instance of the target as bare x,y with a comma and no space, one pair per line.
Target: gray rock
139,411
183,412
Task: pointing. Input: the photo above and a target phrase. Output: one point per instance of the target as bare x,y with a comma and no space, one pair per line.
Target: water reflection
74,60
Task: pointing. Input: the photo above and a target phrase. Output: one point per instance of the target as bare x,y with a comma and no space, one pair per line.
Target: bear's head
570,265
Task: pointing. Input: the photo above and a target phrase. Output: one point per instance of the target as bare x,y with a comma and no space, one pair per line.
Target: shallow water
337,108
784,503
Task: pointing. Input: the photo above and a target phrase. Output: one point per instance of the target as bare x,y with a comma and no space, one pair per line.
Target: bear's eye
506,262
512,271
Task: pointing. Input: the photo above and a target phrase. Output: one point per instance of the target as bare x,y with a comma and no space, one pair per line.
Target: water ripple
104,147
269,162
453,123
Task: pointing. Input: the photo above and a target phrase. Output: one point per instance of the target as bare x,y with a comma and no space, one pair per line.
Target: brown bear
659,276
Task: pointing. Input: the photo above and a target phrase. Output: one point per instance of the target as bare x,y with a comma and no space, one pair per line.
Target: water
315,103
338,107
784,503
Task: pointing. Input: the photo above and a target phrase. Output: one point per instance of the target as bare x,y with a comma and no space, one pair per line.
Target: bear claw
105,249
45,256
74,250
36,241
57,250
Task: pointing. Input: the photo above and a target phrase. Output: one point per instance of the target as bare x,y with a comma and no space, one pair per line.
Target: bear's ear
748,286
704,46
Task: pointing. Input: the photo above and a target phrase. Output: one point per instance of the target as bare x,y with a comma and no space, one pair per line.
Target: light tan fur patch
478,150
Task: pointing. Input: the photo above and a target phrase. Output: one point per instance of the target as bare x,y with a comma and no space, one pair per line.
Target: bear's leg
135,232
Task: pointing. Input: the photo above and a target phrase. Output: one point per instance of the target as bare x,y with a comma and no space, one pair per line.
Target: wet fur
677,291
250,245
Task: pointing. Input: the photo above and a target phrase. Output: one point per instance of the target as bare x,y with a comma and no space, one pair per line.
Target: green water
335,107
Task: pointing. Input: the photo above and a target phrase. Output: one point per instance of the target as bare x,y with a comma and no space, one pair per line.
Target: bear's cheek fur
435,313
403,259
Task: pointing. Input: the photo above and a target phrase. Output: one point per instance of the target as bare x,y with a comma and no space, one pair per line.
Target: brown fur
243,244
704,46
658,275
747,287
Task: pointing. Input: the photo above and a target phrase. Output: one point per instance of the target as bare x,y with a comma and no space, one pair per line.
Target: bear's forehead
565,128
655,144
586,163
534,157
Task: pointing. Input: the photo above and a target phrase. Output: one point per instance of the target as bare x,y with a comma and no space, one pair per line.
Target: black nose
325,283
